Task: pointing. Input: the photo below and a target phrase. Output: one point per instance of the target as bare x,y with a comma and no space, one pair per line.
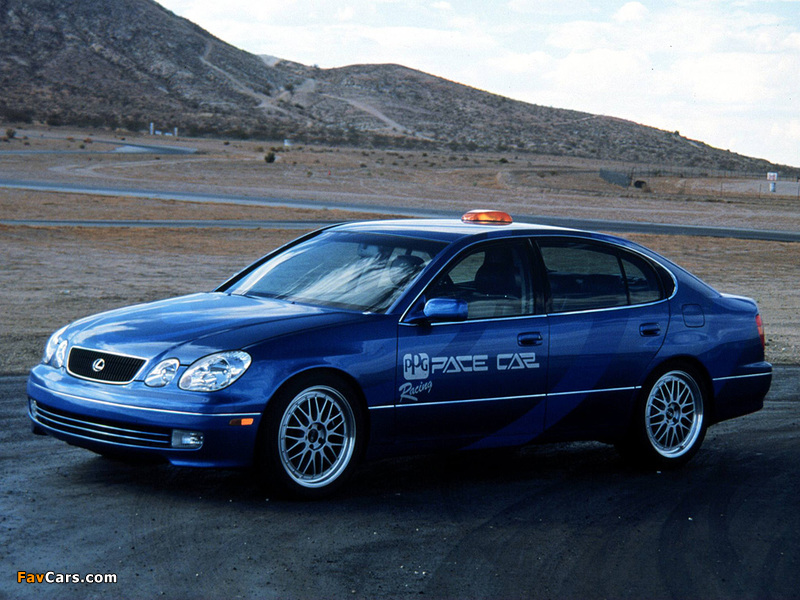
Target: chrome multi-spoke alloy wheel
316,437
674,414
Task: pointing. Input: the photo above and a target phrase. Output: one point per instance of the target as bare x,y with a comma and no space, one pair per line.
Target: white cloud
422,40
521,63
792,131
792,41
599,72
632,12
551,7
726,79
580,35
345,13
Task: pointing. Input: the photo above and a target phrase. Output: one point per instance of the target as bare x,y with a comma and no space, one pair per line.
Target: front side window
494,279
365,272
585,276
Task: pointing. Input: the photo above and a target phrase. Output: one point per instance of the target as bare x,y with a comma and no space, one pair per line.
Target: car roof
446,230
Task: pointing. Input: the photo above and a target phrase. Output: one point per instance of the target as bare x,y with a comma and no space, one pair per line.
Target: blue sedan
366,340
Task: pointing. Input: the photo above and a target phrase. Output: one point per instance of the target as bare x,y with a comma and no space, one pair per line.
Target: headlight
215,371
55,350
162,373
61,355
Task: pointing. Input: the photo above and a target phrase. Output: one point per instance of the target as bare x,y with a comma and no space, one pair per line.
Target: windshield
365,272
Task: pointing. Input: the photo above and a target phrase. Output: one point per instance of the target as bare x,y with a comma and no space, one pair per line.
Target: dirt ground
53,275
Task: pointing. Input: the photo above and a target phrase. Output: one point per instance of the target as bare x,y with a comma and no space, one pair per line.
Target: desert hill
127,63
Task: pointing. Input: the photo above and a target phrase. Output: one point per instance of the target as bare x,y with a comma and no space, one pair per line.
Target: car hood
192,326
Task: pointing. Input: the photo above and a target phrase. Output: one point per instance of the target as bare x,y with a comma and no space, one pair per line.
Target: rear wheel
313,437
670,423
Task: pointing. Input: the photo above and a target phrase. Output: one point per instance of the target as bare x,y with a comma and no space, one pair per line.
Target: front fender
364,350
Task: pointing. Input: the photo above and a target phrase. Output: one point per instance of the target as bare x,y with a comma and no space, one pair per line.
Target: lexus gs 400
372,339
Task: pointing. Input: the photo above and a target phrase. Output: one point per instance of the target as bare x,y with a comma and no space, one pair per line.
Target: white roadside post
772,178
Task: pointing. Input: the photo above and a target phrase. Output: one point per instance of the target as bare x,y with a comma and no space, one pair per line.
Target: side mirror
445,309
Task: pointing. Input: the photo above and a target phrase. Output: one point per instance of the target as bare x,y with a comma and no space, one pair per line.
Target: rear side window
586,276
643,283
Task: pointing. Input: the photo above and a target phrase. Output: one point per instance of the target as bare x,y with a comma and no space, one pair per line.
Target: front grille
103,430
103,366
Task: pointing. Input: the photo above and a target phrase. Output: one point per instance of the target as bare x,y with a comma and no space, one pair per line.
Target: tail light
760,326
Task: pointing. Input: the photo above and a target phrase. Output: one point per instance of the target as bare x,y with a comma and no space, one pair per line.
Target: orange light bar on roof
497,217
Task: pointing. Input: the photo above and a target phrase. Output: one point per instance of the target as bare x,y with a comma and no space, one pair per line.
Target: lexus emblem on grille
98,365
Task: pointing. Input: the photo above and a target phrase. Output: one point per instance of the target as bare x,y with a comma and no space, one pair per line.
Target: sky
726,72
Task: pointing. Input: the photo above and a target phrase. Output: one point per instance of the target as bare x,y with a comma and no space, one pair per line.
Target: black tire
670,420
312,437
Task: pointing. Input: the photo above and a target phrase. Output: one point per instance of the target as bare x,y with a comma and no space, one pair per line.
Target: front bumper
130,420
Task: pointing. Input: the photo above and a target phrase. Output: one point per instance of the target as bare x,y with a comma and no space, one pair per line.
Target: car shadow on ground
468,474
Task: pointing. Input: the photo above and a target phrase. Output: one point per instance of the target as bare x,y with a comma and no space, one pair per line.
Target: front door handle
533,338
649,329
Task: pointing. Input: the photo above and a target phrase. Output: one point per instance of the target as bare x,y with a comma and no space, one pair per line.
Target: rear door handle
530,339
649,329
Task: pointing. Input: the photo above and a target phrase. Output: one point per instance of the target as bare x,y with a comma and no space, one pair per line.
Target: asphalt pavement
559,521
386,208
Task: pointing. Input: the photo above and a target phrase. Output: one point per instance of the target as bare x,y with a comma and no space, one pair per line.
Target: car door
477,382
608,317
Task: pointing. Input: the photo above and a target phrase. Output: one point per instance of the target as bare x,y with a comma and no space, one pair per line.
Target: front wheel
670,424
313,436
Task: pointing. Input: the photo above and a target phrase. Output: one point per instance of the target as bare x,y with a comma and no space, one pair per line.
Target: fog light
186,439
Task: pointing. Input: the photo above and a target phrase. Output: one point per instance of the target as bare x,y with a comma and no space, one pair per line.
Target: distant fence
640,171
627,177
745,183
617,178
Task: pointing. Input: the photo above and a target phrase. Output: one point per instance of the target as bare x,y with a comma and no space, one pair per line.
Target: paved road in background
120,147
560,521
383,209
